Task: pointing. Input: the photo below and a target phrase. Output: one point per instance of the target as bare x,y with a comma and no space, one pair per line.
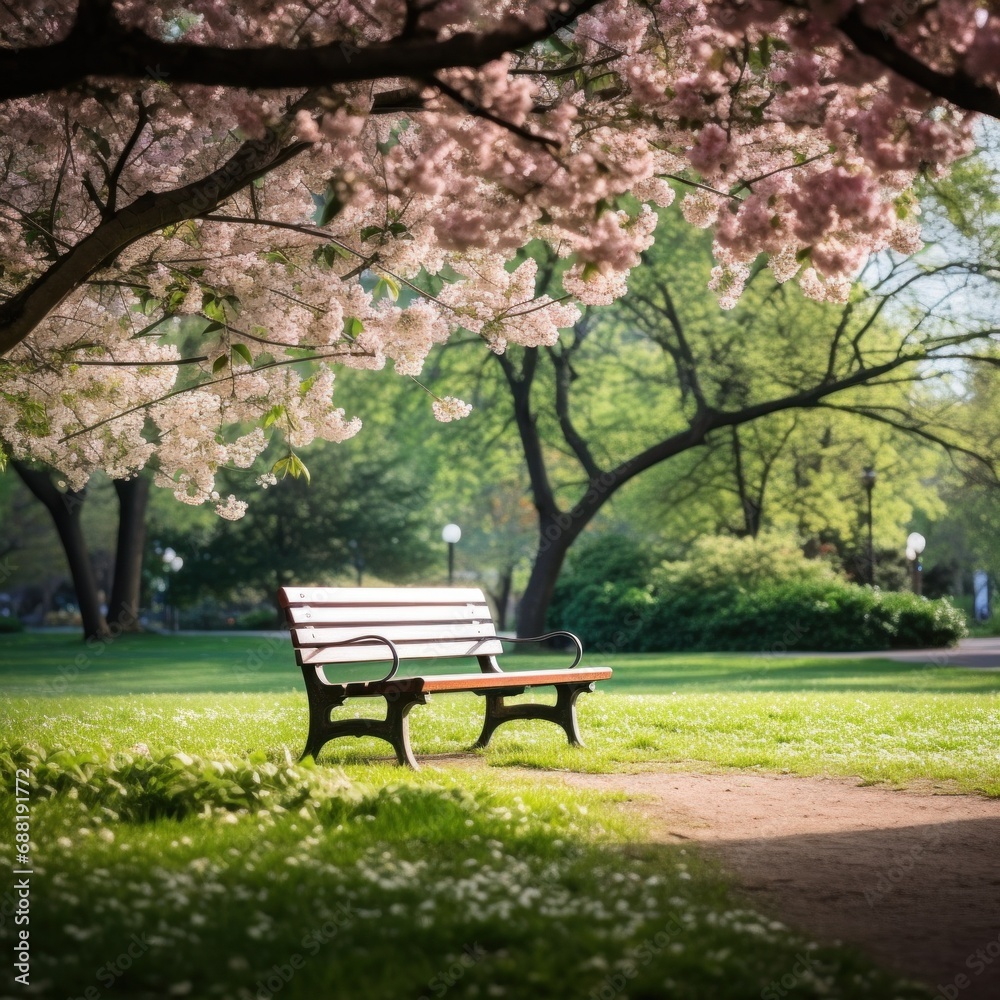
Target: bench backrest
422,622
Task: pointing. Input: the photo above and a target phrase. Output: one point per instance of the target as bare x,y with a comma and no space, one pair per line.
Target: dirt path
912,878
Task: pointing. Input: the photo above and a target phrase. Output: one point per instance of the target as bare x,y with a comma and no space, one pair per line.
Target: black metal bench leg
494,716
394,728
398,725
563,712
566,695
319,720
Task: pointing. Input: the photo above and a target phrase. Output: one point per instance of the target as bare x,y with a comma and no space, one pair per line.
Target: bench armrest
552,635
374,638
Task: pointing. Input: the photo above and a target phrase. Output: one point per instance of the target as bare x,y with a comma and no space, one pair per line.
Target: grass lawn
178,850
877,719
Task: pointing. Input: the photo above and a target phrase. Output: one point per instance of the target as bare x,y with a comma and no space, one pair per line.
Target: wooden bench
332,625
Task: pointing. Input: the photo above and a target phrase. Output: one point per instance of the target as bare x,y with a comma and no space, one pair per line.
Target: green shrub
758,595
725,563
615,560
607,617
259,618
832,616
10,624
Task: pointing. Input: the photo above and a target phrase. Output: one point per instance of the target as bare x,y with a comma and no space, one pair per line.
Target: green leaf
332,207
221,362
213,308
369,231
353,326
329,253
298,469
557,45
385,286
291,465
274,414
765,52
603,83
400,231
242,351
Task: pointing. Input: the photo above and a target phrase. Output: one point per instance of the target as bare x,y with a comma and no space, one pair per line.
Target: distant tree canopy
363,517
762,415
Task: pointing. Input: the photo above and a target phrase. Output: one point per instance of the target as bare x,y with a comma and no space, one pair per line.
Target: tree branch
569,432
871,414
712,419
100,46
116,172
957,88
20,314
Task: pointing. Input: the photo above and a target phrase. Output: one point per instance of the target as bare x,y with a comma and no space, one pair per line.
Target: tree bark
123,607
99,45
751,508
556,535
502,596
65,510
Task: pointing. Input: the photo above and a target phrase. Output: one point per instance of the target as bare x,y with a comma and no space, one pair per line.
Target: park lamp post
915,545
452,534
868,482
172,562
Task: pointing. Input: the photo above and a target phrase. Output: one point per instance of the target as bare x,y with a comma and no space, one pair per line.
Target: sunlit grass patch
877,736
180,875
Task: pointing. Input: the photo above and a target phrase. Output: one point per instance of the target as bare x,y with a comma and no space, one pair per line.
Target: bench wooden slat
367,596
407,651
422,613
422,623
475,682
445,632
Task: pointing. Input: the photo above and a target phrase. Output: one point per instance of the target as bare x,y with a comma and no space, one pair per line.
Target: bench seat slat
445,632
422,613
419,623
366,652
366,596
474,682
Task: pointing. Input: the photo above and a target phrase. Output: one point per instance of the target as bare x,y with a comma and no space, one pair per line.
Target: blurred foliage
718,562
760,595
361,514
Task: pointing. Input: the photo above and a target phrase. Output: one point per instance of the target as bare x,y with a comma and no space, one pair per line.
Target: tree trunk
750,507
279,611
65,509
123,607
553,545
501,596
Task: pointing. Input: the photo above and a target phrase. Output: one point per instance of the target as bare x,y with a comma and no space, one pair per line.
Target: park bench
334,625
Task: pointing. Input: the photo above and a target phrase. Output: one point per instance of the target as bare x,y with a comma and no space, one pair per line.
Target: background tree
882,359
113,596
367,519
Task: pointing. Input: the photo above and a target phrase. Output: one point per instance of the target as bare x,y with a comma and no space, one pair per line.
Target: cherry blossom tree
205,208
